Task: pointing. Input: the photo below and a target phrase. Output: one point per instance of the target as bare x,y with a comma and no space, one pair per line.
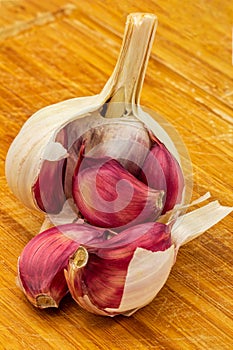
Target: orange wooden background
51,51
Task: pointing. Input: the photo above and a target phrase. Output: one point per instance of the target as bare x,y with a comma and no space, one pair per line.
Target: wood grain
51,51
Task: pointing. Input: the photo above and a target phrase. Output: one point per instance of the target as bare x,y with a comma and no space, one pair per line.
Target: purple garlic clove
43,260
161,171
108,196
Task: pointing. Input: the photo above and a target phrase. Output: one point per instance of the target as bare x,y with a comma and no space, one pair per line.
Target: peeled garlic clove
42,262
161,171
97,277
107,195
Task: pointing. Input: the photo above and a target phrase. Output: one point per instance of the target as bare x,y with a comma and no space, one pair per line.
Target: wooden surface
51,51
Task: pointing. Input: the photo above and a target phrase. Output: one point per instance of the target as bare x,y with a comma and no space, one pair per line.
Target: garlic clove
97,277
108,196
42,261
161,171
48,189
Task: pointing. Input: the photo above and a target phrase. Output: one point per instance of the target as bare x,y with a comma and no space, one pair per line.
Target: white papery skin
147,273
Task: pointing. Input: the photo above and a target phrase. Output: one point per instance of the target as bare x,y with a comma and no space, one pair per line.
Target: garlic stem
128,76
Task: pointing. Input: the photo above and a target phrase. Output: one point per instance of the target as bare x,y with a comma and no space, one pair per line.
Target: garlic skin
96,277
43,260
109,196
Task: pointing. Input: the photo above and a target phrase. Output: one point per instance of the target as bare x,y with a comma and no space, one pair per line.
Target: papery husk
147,273
193,224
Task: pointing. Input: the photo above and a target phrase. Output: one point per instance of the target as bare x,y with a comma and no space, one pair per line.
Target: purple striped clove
48,189
162,172
43,260
109,196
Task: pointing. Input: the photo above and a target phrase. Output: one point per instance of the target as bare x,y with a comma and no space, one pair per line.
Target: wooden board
51,51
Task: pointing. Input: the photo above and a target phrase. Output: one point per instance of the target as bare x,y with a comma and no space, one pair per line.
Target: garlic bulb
103,161
42,159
